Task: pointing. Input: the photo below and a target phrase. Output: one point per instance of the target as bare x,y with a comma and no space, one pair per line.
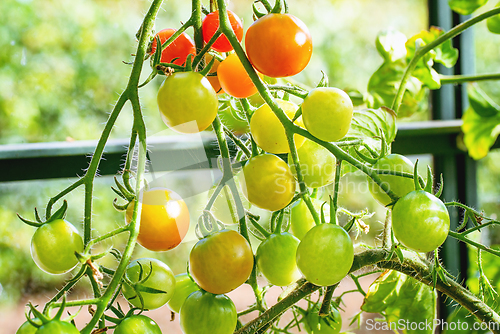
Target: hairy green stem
458,79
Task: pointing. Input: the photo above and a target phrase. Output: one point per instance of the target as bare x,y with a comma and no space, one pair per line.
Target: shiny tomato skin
27,328
137,324
180,48
278,45
154,274
234,79
211,24
269,133
420,221
164,219
325,254
268,182
276,259
327,113
57,327
184,286
301,220
221,262
187,102
203,313
53,246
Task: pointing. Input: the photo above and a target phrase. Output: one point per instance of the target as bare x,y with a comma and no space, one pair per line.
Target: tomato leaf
398,296
444,54
466,7
391,45
481,123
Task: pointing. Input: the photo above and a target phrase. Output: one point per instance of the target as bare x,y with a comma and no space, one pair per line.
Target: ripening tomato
269,133
203,313
152,274
268,182
420,221
325,254
317,164
184,286
234,79
221,262
53,246
278,45
214,79
187,102
211,24
137,324
180,48
164,219
327,113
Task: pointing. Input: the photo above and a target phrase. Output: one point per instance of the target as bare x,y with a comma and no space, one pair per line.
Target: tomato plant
221,262
325,254
152,283
269,183
164,219
53,246
276,259
57,327
317,164
184,286
420,221
327,113
278,45
203,312
234,79
187,102
137,324
177,51
211,24
269,133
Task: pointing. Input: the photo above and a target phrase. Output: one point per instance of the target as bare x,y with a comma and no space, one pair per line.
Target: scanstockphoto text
442,325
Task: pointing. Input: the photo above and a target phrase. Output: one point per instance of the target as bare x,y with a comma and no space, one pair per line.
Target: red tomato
211,24
234,79
278,45
180,48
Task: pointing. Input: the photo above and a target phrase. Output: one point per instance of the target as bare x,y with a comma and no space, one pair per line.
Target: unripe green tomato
397,184
57,327
317,164
276,259
156,275
27,328
420,221
137,324
327,113
184,286
53,246
319,325
493,23
301,219
203,313
325,254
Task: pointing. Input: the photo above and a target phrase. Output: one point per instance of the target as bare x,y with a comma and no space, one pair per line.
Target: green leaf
466,7
481,123
391,45
398,296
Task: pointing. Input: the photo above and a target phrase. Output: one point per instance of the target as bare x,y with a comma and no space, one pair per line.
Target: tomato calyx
59,214
43,318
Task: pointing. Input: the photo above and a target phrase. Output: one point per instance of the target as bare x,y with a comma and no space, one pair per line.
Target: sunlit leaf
480,102
391,45
466,7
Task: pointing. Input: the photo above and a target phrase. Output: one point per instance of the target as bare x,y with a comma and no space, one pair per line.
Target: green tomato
276,259
203,312
327,113
53,246
325,254
187,102
328,325
301,219
137,324
184,286
317,164
27,328
154,274
420,221
398,184
57,327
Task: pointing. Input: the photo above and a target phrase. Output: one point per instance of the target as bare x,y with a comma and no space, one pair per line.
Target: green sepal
28,222
430,180
257,14
324,80
441,186
415,177
278,6
42,317
323,220
60,213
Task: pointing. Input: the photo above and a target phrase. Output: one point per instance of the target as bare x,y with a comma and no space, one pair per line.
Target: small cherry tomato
27,328
317,164
184,286
53,246
269,133
57,327
221,262
420,221
137,324
301,219
147,274
234,79
327,113
268,182
325,254
203,313
211,24
180,48
187,102
278,45
276,259
164,219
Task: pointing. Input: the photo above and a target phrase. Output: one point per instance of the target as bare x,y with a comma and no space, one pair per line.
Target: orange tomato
234,79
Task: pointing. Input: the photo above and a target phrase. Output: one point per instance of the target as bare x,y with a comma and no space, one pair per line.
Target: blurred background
62,69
